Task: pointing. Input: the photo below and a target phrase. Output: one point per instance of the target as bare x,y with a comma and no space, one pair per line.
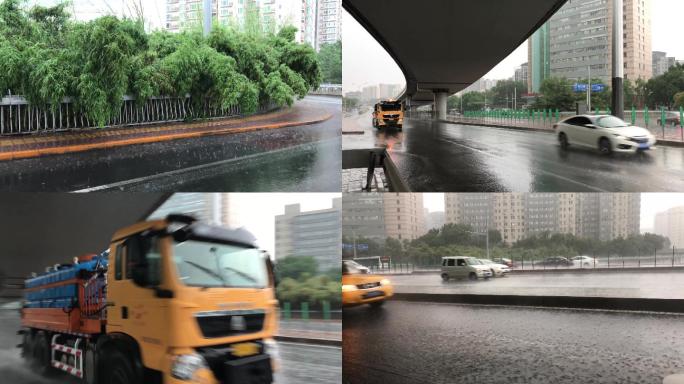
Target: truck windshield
205,264
390,106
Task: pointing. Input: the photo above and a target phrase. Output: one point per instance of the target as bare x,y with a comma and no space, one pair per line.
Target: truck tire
27,346
116,368
41,362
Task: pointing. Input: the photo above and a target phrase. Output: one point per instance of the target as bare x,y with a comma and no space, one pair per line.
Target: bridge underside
443,46
41,229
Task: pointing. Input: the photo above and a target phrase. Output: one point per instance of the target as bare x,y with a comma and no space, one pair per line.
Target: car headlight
348,288
385,282
185,366
620,137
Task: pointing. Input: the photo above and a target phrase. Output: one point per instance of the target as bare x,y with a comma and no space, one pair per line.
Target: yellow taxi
359,287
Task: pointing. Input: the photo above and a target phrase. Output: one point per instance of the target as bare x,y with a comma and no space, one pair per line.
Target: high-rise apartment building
312,233
216,208
433,220
381,215
579,37
522,73
328,22
273,14
516,216
662,63
671,225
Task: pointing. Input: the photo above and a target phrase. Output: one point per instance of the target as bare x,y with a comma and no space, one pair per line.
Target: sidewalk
325,332
27,146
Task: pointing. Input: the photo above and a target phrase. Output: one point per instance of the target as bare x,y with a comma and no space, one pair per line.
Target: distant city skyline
378,67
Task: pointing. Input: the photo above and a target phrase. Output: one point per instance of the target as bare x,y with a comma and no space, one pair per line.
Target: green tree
679,100
330,59
296,267
556,93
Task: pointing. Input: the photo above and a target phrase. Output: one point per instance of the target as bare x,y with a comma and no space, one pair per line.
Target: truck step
68,369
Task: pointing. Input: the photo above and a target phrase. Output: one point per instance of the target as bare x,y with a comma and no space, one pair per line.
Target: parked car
555,261
584,262
498,270
607,133
671,118
504,261
464,267
360,288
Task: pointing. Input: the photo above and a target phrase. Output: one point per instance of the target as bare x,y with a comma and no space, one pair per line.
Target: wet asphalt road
661,285
430,343
443,157
299,362
302,158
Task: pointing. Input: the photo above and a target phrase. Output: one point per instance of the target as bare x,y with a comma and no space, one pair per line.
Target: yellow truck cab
359,287
182,302
388,113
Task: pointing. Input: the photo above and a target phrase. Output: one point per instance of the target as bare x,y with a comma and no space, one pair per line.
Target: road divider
570,302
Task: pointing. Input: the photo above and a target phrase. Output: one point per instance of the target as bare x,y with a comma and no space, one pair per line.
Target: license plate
245,349
644,146
373,294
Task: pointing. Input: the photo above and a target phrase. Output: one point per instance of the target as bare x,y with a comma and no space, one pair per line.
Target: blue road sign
598,87
579,87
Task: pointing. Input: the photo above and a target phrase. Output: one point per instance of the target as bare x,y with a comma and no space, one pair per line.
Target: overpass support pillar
441,96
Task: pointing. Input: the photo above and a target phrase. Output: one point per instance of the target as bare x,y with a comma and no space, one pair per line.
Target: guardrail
328,90
304,312
371,159
17,116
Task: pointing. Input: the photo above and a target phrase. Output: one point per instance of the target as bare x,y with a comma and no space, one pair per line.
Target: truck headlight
348,288
185,366
385,282
271,347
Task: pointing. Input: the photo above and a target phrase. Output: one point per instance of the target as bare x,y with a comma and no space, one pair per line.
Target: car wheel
472,276
563,139
377,304
445,277
605,146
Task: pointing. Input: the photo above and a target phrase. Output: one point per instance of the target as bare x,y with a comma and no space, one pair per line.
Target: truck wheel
117,369
41,362
27,346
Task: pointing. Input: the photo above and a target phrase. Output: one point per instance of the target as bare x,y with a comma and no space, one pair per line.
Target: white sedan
584,262
607,133
498,270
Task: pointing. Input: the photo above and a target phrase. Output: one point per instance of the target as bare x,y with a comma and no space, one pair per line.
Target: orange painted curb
146,140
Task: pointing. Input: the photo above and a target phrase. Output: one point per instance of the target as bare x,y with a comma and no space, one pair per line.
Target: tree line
46,56
461,239
299,280
666,90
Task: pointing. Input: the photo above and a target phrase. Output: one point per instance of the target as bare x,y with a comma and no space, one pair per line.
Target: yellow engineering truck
388,113
171,301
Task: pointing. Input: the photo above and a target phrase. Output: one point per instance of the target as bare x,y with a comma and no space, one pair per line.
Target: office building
311,233
671,225
605,216
434,220
328,22
381,215
214,208
579,36
522,73
662,63
274,14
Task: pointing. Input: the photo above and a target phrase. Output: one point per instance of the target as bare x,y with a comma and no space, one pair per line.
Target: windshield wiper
243,274
206,270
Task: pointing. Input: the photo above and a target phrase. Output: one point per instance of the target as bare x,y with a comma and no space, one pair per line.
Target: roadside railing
304,311
328,90
664,124
17,116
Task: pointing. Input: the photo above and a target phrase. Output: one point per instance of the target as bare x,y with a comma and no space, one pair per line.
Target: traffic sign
582,88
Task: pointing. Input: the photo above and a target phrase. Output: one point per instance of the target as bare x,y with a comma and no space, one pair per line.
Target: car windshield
207,264
473,262
390,106
485,261
611,122
351,268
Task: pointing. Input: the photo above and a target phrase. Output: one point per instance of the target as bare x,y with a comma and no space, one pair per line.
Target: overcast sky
651,203
365,62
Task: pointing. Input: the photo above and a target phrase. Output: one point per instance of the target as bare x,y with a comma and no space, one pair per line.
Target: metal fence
665,125
328,90
303,311
17,116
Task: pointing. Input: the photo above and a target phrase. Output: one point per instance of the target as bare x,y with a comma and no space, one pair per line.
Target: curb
666,143
569,302
24,154
309,340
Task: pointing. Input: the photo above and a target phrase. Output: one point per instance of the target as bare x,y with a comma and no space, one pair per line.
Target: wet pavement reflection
309,161
444,157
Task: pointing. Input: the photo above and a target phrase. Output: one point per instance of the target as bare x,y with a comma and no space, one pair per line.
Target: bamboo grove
46,56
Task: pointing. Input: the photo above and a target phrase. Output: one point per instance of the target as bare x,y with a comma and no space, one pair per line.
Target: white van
464,267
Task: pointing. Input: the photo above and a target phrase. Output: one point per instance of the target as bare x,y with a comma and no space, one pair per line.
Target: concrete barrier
573,302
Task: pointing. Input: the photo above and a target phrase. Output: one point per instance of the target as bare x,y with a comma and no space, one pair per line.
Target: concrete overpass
443,46
41,229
